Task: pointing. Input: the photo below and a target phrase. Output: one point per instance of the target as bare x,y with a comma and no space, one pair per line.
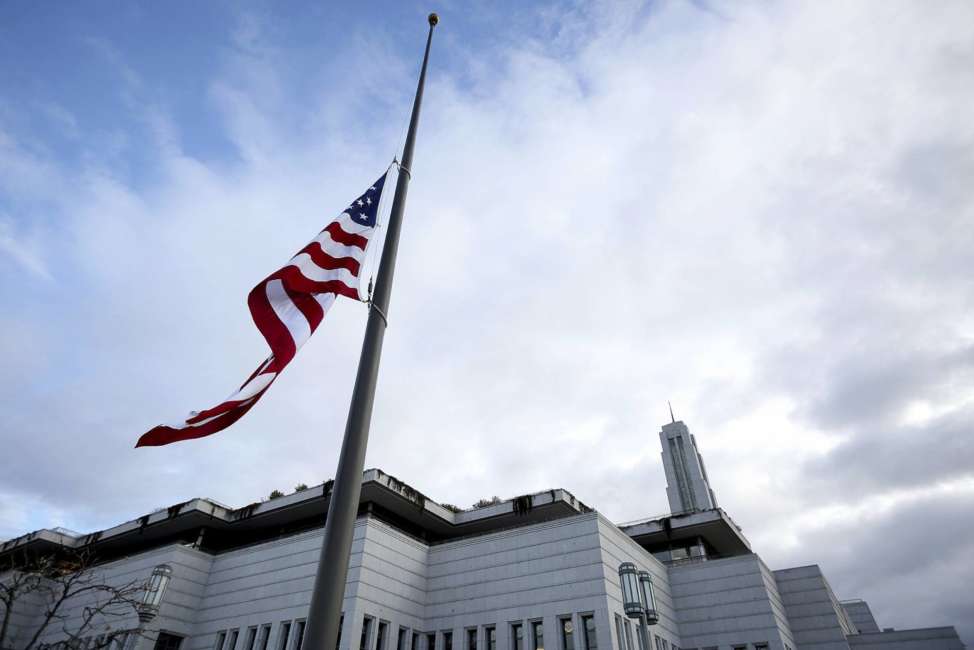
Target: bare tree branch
58,581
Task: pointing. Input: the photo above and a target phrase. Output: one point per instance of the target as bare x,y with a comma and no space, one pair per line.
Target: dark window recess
285,633
366,631
251,638
472,639
401,639
431,641
517,636
490,638
448,641
265,637
588,630
221,638
567,634
537,635
380,637
300,640
414,643
233,640
341,623
167,641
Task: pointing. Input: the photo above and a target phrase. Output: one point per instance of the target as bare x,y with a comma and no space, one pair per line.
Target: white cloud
760,213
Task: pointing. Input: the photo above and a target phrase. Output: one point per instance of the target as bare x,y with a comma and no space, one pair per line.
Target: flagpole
329,588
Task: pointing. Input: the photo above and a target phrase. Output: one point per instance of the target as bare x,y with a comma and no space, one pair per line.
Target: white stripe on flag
287,312
337,250
315,273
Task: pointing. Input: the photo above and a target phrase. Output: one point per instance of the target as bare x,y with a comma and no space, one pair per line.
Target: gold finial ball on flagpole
433,18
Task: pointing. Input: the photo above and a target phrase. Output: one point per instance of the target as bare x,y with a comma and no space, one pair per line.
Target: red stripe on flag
345,238
328,262
308,306
163,435
294,280
275,332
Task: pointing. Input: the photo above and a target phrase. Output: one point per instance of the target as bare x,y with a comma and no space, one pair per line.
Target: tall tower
687,486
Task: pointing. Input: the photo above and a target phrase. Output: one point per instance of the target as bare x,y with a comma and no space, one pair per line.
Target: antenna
672,419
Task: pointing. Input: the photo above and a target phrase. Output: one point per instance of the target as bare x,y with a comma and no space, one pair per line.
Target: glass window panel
567,634
265,636
537,635
588,629
285,633
366,631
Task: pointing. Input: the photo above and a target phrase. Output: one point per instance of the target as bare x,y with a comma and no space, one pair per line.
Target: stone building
534,572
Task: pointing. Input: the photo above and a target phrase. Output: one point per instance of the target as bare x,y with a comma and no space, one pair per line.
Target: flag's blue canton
363,209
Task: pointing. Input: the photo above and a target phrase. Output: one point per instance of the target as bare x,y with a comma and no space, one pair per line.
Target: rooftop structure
687,486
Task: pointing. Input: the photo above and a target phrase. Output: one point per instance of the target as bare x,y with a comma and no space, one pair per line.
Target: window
341,624
760,646
567,633
283,636
628,635
251,638
431,641
220,640
414,644
366,631
537,635
490,638
447,640
380,637
299,641
588,629
233,639
640,637
165,641
401,639
264,636
619,636
472,639
517,636
739,647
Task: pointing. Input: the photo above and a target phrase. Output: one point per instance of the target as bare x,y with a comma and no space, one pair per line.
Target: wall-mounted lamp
152,598
648,597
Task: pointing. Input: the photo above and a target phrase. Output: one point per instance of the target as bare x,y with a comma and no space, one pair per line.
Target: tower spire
687,486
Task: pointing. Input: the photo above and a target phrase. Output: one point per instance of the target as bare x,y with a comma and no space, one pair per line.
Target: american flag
287,307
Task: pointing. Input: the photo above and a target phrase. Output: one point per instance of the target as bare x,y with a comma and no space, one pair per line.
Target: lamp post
634,600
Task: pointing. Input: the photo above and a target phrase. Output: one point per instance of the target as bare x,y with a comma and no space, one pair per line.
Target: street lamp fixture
629,579
152,598
648,597
634,600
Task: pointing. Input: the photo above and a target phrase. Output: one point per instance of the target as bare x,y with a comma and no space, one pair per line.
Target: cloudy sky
763,213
